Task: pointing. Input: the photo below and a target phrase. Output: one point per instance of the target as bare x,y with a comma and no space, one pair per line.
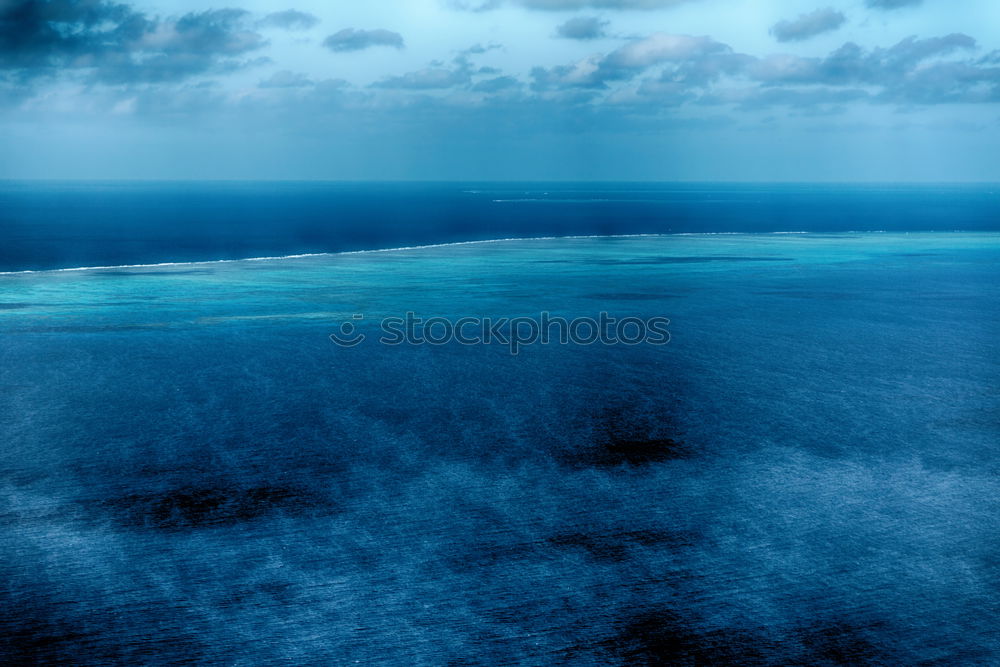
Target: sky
474,90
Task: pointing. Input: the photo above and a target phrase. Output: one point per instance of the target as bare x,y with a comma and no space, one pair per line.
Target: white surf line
328,254
160,264
425,247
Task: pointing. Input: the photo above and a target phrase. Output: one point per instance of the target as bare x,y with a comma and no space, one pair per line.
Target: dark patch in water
47,627
14,306
615,546
39,642
189,507
671,538
631,432
623,438
667,638
637,452
843,644
596,546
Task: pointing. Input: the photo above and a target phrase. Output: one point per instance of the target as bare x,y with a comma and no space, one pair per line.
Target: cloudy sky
749,90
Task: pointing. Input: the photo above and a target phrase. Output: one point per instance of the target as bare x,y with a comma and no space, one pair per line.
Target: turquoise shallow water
806,473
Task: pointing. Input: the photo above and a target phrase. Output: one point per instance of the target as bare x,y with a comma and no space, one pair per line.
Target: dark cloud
582,27
38,34
808,25
119,44
892,4
290,19
196,43
286,79
350,39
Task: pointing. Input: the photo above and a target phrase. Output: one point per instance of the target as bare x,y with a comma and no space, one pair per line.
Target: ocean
195,471
51,225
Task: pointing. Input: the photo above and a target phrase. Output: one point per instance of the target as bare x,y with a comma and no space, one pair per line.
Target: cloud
946,83
37,33
581,74
497,84
850,64
350,39
193,44
991,58
808,25
286,79
115,43
892,4
909,73
675,69
97,42
582,27
439,76
689,59
659,48
290,19
427,79
479,49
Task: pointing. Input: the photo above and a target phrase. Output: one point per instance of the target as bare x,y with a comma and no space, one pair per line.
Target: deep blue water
59,224
191,472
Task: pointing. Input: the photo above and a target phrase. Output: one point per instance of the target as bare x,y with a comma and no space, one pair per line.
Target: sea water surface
60,224
193,473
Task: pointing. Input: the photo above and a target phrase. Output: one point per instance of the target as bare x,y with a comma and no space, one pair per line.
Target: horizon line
417,181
